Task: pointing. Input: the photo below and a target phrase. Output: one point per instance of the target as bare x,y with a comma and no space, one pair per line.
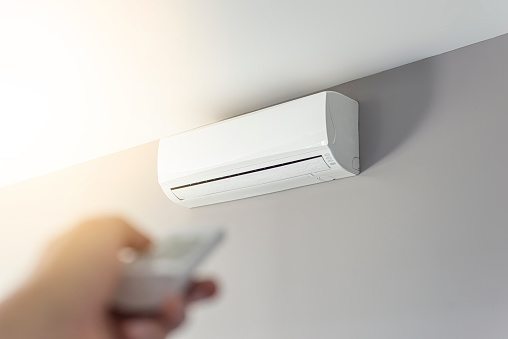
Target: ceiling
81,79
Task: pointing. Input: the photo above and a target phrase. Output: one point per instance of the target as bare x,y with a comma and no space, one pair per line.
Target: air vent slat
251,178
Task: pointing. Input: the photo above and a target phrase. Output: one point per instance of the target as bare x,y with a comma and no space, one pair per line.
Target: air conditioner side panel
343,134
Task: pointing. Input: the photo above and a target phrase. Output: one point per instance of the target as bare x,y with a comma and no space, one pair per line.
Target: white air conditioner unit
301,142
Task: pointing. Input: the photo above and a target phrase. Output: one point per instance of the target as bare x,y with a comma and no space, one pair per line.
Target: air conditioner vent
251,178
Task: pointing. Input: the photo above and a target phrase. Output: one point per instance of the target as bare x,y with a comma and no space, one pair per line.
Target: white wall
414,247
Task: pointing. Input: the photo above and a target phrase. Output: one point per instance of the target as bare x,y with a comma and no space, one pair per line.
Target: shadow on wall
392,105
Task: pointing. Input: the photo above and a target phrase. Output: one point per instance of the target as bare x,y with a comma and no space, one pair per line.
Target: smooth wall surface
414,247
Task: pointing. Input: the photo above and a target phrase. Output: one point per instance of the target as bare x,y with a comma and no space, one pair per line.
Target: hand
69,296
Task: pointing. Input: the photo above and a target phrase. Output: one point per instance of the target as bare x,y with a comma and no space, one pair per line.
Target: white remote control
166,268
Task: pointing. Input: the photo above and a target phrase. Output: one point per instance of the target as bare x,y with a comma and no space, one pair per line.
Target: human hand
70,294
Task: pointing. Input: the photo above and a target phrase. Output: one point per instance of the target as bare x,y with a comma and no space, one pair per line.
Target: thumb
132,237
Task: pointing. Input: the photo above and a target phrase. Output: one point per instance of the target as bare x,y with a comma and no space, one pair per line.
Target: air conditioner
301,142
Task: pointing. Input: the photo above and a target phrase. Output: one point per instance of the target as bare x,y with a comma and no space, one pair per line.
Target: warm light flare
77,78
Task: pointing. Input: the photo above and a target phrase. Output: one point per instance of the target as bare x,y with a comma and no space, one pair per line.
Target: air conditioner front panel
251,178
292,126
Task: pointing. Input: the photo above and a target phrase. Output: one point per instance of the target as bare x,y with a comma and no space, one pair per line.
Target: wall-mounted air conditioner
301,142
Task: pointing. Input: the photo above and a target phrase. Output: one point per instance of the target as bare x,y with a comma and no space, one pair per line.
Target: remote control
164,269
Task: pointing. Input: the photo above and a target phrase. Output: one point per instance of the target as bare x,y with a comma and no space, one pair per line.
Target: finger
143,329
173,311
133,238
199,290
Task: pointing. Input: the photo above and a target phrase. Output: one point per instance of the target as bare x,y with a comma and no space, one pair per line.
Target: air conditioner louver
251,178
